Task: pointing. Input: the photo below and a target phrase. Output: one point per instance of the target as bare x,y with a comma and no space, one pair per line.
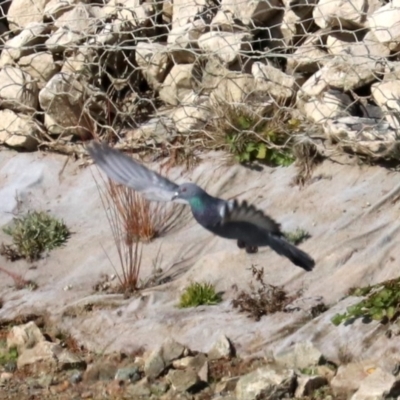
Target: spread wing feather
129,172
233,211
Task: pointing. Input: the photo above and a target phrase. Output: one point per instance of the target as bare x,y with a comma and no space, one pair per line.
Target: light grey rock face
222,348
23,12
266,382
301,355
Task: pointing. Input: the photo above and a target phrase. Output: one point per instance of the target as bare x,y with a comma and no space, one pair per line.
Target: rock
79,60
185,11
306,385
267,383
73,26
100,371
308,57
18,90
5,377
386,95
162,358
226,46
369,136
249,12
131,374
187,36
177,85
301,355
328,106
76,377
183,380
378,385
24,12
196,362
348,377
384,24
131,11
222,348
226,385
23,44
278,84
40,66
138,390
19,131
156,130
328,13
62,99
25,336
50,355
154,60
233,88
191,117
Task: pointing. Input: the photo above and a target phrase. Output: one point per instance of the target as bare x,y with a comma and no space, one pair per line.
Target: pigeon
229,219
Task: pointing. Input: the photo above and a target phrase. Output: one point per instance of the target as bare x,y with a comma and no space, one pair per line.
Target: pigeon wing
233,211
126,171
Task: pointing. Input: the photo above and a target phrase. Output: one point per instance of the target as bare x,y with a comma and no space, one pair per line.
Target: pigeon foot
251,249
241,244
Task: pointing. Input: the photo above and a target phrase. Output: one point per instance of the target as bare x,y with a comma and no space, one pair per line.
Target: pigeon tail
295,255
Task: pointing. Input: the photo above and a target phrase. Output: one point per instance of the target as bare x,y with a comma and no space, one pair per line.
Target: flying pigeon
228,219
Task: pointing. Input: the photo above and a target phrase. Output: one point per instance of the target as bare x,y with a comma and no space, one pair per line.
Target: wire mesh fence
251,77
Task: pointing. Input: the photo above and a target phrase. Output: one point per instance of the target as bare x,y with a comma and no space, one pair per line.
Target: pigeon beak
175,196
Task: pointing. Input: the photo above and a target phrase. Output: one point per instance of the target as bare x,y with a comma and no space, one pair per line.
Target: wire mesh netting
250,77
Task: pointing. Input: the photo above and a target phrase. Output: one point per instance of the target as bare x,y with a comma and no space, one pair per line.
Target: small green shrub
35,233
297,237
7,355
199,294
382,303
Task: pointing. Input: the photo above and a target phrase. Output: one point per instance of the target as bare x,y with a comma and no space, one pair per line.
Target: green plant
7,355
35,233
198,294
297,236
382,303
249,136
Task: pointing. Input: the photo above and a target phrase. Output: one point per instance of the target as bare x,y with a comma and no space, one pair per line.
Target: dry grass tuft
19,281
133,219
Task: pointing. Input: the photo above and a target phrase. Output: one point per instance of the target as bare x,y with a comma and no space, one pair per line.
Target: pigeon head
188,192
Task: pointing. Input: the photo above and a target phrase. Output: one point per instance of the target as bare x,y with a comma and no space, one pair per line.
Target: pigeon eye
183,190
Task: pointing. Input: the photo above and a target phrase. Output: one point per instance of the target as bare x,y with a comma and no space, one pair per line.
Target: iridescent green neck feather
196,203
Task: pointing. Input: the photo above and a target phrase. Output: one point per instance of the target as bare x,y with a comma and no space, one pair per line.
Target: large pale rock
301,355
343,13
72,26
25,336
278,84
369,136
349,377
184,11
62,99
328,105
154,61
343,72
18,130
233,88
162,358
296,22
222,348
308,57
193,115
227,46
131,11
22,44
187,35
177,85
183,380
248,11
23,12
79,60
50,354
386,95
18,90
384,23
378,385
55,8
266,382
40,66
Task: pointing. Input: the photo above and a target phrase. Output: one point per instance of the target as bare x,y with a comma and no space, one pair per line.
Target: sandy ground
351,212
